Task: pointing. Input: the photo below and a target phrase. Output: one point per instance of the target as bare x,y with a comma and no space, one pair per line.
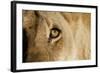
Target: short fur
72,44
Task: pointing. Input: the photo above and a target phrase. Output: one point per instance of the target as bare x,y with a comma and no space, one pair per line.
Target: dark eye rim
59,31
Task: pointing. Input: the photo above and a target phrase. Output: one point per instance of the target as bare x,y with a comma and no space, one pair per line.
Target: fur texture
73,42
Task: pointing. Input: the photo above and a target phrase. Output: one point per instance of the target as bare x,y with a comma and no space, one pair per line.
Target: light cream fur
73,43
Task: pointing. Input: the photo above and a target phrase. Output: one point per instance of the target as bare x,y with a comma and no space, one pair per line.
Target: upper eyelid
56,26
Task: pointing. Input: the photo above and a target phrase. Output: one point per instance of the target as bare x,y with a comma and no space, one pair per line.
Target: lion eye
54,33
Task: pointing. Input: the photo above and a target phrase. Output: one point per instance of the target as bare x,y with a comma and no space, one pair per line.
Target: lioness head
54,36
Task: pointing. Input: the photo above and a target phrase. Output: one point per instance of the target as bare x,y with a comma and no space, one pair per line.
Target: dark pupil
54,33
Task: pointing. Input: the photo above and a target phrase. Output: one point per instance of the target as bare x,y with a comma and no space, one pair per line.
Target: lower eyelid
55,39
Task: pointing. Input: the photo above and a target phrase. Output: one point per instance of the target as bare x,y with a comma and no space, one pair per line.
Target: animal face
55,36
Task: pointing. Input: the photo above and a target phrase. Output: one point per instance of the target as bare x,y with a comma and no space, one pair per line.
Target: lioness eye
54,32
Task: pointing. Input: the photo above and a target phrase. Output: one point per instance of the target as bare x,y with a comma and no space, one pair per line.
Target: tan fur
73,42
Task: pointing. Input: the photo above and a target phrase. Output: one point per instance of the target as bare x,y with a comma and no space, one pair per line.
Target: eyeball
54,33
